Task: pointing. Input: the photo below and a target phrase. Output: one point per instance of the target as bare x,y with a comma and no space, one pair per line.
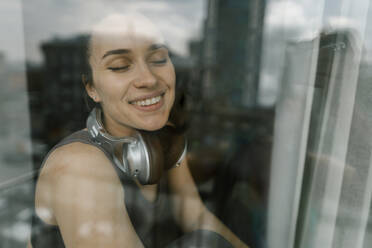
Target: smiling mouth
148,101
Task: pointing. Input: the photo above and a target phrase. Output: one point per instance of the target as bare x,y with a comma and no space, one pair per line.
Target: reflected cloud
176,26
293,18
44,213
85,229
341,22
95,228
19,231
25,214
285,13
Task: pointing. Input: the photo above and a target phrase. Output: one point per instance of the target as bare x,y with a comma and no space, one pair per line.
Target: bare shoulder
78,159
84,195
72,170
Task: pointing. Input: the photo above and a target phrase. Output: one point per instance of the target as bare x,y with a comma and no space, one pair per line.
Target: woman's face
133,79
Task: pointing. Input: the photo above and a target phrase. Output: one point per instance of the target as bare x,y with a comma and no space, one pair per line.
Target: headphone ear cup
156,156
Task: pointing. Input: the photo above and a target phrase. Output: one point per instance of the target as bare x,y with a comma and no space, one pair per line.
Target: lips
147,97
149,103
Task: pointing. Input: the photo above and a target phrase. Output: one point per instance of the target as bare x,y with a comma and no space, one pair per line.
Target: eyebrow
116,51
125,51
157,46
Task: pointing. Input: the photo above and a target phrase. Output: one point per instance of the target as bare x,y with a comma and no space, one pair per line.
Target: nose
145,77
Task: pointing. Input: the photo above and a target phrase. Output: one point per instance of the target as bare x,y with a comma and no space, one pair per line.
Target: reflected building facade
56,93
228,66
232,50
231,135
64,109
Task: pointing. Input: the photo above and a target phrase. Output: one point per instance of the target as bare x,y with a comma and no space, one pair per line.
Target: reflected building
230,142
228,67
64,109
2,63
232,49
56,93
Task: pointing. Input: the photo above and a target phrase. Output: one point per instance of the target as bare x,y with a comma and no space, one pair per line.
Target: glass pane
16,185
320,183
217,67
275,95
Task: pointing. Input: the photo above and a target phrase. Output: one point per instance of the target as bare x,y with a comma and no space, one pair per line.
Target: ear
91,91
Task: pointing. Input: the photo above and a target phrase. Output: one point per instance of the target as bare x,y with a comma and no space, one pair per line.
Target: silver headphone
143,156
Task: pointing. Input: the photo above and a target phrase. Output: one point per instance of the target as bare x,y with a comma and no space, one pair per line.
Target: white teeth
148,101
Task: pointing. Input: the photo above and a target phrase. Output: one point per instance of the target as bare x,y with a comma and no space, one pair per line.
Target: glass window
272,96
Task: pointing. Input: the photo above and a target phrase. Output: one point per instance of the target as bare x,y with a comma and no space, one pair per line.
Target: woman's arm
88,199
190,211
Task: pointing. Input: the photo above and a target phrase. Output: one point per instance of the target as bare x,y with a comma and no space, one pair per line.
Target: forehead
124,31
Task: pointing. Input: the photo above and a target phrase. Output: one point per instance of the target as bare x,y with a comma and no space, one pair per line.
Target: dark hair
178,115
87,75
87,79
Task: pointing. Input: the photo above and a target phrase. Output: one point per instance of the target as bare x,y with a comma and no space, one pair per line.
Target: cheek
172,74
111,87
172,85
170,78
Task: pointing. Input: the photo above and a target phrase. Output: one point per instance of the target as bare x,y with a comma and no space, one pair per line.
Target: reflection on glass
277,97
89,194
320,148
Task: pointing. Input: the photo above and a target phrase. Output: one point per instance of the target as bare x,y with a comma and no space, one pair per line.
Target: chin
154,125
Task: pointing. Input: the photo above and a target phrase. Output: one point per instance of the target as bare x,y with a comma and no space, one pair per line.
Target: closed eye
121,68
159,62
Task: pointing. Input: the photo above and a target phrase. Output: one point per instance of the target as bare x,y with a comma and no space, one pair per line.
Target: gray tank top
152,221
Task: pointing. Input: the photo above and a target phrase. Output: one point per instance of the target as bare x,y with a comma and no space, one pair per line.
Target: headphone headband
97,131
143,156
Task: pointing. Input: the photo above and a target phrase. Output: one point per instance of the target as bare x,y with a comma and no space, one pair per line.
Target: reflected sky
11,42
180,21
302,20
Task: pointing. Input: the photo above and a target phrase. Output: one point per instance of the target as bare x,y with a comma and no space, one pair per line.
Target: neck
116,129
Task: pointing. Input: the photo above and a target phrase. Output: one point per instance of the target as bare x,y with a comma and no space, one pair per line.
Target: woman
80,196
